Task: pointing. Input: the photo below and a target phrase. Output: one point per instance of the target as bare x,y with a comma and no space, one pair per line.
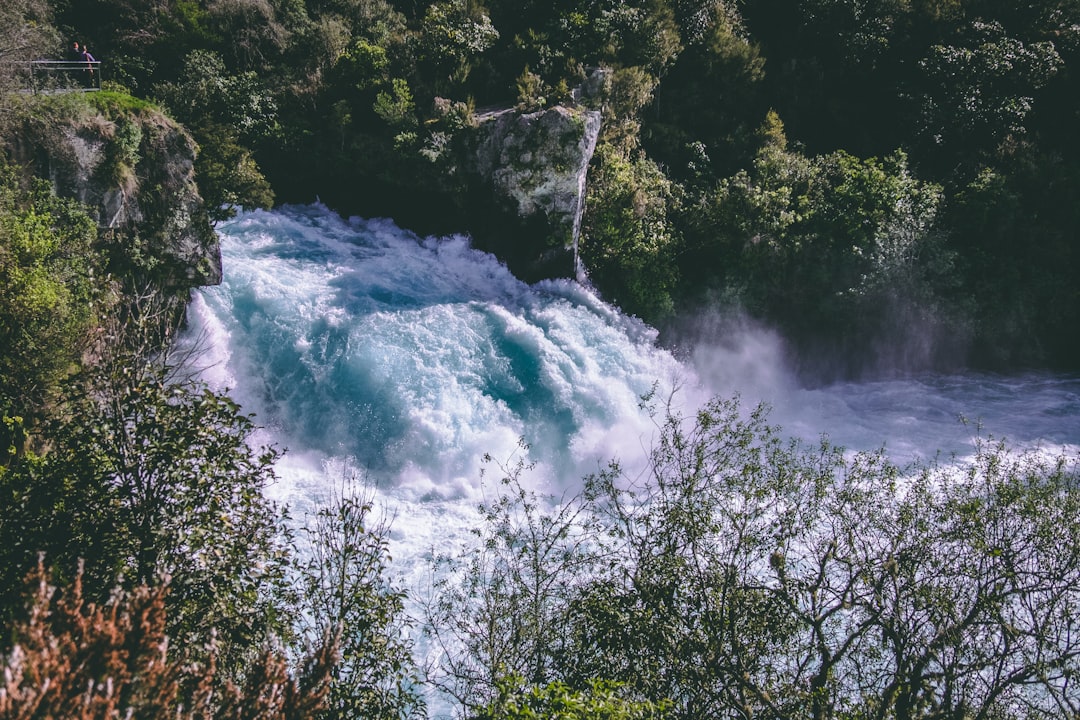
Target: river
362,348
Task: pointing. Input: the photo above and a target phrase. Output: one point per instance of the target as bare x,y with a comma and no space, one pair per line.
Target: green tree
453,36
760,577
628,243
345,592
834,248
250,31
740,574
228,175
556,701
228,114
26,34
150,476
712,95
979,91
396,107
50,282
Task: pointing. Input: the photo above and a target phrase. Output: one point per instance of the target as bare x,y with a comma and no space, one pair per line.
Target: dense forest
893,184
890,183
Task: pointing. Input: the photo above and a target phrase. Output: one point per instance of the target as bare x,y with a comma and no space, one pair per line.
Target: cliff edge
528,173
134,169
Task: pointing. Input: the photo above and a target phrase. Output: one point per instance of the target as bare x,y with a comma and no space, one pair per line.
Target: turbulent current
362,348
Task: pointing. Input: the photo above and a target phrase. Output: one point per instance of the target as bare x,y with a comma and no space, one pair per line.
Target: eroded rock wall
135,171
532,167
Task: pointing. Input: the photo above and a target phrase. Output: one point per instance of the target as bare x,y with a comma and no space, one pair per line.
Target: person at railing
89,65
74,55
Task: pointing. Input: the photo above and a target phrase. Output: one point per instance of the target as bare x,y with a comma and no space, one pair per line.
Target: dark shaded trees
346,99
151,476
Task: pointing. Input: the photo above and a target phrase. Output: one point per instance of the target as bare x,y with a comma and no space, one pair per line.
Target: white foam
359,345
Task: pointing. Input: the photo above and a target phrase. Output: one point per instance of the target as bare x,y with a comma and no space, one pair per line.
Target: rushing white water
358,344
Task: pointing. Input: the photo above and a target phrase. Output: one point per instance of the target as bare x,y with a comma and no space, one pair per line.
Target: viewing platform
61,76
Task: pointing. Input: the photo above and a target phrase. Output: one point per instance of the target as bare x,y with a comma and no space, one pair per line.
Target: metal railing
45,76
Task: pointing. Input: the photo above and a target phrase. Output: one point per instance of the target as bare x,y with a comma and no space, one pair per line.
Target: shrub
80,661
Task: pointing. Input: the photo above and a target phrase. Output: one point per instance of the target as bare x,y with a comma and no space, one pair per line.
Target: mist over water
359,346
913,415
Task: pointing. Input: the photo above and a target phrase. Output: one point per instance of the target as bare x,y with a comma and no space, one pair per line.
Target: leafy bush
556,701
149,477
831,247
745,575
80,660
49,283
628,243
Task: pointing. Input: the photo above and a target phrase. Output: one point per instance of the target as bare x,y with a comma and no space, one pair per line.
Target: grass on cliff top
112,102
116,100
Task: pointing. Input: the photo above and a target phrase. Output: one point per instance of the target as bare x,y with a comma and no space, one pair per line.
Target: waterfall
359,345
588,146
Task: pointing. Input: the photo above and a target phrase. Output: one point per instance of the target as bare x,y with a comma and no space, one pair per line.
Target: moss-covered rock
532,167
134,169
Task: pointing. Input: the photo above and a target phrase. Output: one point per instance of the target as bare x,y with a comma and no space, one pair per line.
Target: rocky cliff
529,172
133,167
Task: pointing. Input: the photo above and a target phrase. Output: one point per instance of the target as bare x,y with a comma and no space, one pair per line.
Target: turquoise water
410,358
364,349
415,357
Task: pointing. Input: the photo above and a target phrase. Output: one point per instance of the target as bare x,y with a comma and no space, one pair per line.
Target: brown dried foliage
76,660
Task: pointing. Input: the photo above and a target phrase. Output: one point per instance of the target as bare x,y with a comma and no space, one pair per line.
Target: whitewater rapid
362,348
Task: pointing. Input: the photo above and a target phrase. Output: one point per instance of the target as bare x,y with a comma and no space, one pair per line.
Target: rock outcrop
134,170
530,169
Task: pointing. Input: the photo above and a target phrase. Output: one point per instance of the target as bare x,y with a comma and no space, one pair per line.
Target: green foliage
712,96
250,32
756,576
117,101
149,478
396,108
209,93
834,243
26,33
346,594
556,701
981,89
530,88
365,64
629,91
1018,264
453,35
627,241
49,283
227,114
122,154
228,175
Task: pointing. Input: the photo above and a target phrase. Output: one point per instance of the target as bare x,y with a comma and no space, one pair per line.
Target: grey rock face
536,164
141,191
